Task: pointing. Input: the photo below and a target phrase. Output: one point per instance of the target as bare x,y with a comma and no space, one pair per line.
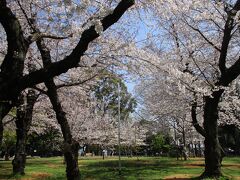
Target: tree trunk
5,107
71,160
184,142
19,160
6,156
23,123
1,131
70,146
213,156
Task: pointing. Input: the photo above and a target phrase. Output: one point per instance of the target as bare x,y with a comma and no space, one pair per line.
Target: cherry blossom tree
23,122
163,102
38,18
12,78
200,53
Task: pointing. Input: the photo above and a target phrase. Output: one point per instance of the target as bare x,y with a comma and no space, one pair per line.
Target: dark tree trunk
184,142
1,131
6,156
70,146
71,160
23,123
19,160
5,107
213,155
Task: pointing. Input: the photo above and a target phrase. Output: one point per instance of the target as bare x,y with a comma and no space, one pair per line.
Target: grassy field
132,168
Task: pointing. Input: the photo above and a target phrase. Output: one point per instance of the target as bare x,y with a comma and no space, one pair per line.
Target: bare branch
195,123
77,83
41,91
67,63
38,36
73,59
237,6
203,36
9,121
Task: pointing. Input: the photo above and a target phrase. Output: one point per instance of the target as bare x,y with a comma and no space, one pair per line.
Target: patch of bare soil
198,162
34,176
201,164
179,176
41,175
194,164
53,166
234,166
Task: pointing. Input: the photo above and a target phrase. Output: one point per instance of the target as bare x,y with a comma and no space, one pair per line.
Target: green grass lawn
132,168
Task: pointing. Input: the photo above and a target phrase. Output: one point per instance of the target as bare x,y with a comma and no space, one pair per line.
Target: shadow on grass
36,169
138,169
97,169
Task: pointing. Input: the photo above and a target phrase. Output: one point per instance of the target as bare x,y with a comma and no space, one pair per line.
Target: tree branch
70,61
9,121
38,36
229,25
225,42
195,123
13,62
237,6
76,83
203,36
231,73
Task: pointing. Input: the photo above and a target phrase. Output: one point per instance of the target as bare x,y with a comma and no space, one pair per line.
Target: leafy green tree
159,143
106,92
45,144
9,141
229,138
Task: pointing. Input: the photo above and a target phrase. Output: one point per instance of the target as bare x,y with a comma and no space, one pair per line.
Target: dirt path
179,176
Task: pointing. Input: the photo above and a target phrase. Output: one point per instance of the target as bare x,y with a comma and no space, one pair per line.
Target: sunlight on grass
132,168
